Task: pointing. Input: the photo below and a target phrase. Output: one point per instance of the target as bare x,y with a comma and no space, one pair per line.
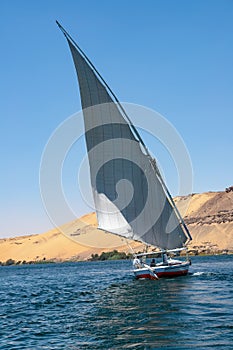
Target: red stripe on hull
163,274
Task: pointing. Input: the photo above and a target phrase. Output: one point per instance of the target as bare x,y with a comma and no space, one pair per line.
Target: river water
99,305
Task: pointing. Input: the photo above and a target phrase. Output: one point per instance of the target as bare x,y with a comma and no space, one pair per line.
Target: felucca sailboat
119,161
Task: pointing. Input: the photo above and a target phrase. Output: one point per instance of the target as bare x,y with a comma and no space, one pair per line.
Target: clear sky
174,56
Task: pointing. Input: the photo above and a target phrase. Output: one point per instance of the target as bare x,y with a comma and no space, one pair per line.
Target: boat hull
163,271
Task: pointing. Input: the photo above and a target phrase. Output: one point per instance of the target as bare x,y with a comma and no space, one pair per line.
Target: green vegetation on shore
113,255
10,262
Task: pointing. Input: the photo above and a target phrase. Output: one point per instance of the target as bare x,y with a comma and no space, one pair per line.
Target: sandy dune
77,240
209,217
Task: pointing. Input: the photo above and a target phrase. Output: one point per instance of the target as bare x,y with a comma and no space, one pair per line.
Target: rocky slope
209,217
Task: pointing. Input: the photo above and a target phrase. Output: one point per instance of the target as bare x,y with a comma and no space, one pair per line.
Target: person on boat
136,262
165,259
152,264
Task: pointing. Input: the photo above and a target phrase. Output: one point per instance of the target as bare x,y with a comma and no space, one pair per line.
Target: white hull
169,270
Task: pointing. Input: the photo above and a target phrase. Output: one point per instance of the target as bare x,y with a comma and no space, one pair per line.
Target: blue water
99,305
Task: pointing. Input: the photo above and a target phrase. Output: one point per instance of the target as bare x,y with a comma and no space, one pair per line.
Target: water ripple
101,306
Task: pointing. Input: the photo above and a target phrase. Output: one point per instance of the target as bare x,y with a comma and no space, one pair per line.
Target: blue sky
174,56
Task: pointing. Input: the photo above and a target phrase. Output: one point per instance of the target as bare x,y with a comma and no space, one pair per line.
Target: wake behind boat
119,161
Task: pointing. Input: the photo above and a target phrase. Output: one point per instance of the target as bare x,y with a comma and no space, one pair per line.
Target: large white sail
129,194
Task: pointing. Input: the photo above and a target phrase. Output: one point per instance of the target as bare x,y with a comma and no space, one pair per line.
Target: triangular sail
129,197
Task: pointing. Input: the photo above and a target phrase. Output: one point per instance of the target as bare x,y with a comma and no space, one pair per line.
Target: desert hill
209,217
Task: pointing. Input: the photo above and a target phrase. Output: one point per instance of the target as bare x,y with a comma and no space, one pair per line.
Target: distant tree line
113,255
24,262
